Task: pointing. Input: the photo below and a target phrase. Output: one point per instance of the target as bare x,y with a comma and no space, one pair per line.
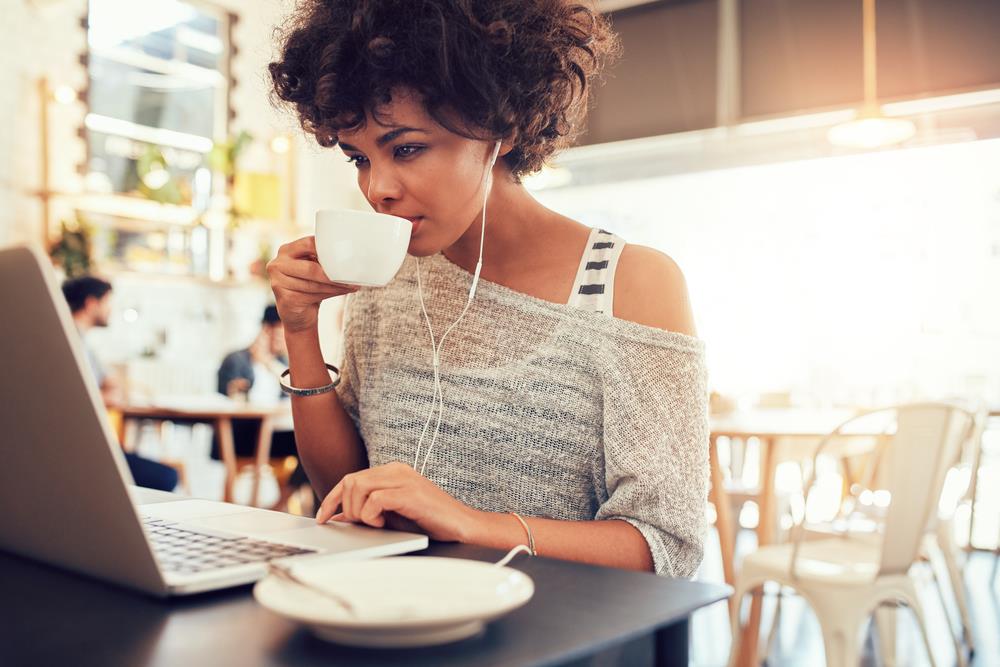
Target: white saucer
398,601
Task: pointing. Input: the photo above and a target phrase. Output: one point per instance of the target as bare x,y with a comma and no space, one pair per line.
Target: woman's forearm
327,441
612,543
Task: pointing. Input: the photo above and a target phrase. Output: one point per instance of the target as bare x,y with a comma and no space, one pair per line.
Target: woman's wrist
305,360
303,345
496,530
306,331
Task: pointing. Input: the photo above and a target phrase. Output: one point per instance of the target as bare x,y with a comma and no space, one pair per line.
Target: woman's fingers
306,269
293,284
295,268
298,258
347,495
355,495
305,276
378,503
376,481
362,485
352,492
329,505
301,247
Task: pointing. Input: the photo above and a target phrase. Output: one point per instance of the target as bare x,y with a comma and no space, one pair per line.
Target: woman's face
414,168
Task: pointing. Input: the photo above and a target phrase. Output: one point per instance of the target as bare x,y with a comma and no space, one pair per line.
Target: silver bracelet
295,391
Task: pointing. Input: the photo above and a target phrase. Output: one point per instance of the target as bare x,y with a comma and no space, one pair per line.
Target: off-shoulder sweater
549,410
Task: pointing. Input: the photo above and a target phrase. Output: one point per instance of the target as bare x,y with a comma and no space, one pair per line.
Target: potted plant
72,251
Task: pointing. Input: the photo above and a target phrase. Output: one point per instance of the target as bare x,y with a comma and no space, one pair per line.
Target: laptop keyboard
188,551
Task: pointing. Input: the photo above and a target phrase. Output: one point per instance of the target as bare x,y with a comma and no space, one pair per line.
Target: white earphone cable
437,401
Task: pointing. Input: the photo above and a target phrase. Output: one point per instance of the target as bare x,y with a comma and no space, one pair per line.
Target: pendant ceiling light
871,129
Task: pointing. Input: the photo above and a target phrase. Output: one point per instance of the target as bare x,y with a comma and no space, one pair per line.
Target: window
158,95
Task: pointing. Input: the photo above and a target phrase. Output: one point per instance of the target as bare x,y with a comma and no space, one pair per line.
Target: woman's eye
408,150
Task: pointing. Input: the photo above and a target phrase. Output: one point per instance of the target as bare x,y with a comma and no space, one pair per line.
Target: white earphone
437,403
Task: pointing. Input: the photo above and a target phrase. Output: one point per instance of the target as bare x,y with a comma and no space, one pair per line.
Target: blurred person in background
89,300
251,375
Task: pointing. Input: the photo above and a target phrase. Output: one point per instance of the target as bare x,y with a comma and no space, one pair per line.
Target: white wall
40,38
865,278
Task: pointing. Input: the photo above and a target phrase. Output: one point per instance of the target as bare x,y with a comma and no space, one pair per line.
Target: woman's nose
383,184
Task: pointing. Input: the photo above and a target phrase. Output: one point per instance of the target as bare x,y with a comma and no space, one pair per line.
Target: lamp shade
874,131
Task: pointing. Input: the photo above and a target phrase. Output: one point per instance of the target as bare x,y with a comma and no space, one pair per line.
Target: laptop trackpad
254,522
185,510
225,516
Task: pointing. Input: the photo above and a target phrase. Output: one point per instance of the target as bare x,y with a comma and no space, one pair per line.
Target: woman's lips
415,221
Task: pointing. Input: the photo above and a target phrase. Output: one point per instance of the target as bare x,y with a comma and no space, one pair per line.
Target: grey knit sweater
549,410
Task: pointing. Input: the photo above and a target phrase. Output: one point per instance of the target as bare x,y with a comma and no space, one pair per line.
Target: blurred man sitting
89,300
251,375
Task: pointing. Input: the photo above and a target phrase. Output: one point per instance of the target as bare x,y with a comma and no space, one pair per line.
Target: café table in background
220,413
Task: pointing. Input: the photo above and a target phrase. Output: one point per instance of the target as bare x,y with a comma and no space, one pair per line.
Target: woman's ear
507,144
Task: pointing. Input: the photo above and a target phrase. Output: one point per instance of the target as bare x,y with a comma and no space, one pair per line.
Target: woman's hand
299,284
383,495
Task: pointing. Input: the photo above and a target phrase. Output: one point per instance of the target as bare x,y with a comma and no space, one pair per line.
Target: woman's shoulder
650,290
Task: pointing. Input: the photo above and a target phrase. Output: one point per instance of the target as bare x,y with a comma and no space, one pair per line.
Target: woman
571,392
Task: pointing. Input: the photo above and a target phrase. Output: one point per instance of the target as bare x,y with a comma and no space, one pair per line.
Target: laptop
66,493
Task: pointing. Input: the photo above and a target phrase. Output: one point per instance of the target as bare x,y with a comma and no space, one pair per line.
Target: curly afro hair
512,69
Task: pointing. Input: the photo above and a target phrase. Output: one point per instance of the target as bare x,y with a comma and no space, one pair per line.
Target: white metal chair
845,580
996,562
941,542
856,445
855,520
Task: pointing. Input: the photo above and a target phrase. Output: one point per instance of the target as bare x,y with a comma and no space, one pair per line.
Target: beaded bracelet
295,391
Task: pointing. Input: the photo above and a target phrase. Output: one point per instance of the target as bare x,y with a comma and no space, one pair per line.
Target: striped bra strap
594,287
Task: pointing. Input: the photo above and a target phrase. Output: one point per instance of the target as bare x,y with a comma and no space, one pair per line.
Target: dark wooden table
578,613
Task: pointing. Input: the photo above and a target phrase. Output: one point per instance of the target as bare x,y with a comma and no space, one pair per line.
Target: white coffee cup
361,247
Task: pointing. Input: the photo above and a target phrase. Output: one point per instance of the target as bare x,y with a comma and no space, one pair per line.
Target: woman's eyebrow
392,134
385,138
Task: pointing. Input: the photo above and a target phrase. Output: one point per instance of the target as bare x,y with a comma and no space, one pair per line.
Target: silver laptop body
65,488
